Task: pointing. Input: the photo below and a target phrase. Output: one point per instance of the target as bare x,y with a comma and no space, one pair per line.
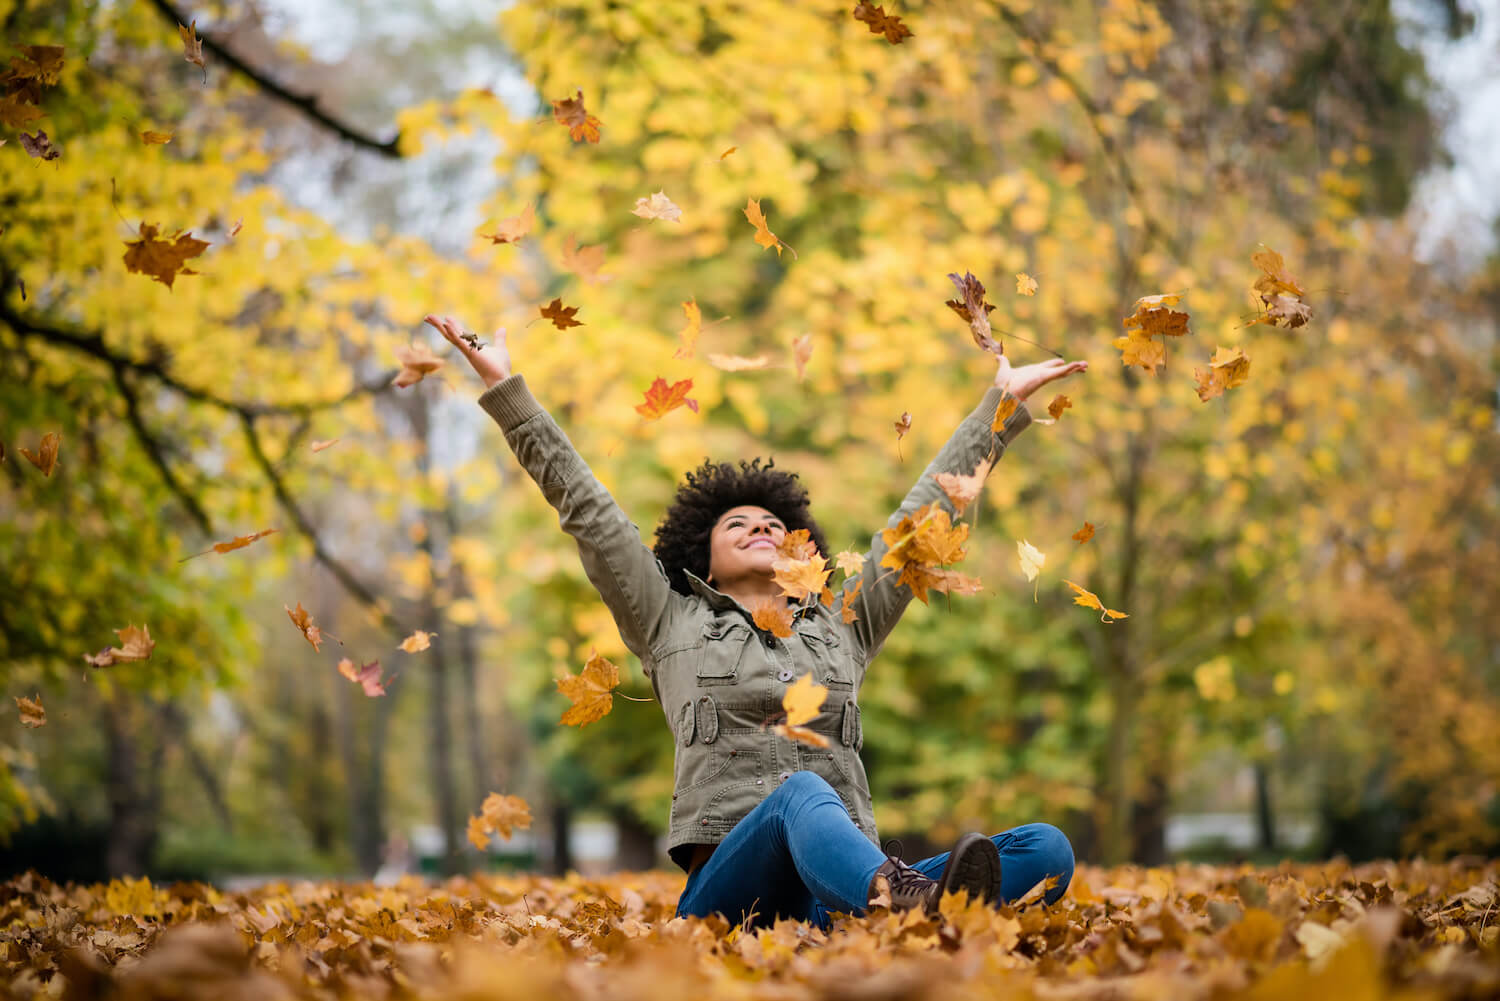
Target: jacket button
784,675
785,776
760,782
704,822
733,753
771,642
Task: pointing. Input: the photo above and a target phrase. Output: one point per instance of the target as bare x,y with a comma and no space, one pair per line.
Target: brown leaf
775,617
150,138
304,623
971,305
416,642
46,457
589,691
135,644
582,126
18,114
192,45
162,258
318,446
881,23
40,63
367,676
799,578
560,315
32,713
1008,405
1058,405
903,424
417,363
1084,534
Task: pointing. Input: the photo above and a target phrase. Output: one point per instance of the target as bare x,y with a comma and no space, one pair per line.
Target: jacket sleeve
879,605
626,574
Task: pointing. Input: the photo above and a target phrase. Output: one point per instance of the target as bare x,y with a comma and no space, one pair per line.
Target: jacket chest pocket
831,659
721,656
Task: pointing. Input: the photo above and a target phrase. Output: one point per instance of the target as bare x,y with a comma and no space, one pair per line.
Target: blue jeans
798,855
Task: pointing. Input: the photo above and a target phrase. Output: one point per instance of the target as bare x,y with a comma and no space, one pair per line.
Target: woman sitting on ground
766,827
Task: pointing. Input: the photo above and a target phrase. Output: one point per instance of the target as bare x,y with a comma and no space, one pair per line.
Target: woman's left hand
1022,382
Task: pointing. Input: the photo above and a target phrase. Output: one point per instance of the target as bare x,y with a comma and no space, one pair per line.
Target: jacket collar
721,602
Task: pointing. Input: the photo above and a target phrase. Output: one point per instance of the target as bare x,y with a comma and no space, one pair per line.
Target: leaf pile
1381,930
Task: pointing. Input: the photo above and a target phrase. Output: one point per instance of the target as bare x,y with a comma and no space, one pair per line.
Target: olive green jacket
718,677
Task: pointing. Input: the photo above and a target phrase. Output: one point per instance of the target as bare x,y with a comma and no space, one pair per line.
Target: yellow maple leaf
1088,599
498,816
511,230
963,490
1025,284
1058,405
416,642
1007,406
846,610
802,701
799,578
1227,369
849,561
417,362
688,335
775,617
589,691
657,206
763,235
584,262
1147,352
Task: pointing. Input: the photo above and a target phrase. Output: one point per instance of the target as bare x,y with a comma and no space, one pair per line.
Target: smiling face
743,544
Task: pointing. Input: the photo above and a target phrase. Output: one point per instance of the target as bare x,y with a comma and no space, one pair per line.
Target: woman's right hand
492,364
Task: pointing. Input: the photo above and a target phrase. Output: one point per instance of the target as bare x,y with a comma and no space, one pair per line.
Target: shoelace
905,879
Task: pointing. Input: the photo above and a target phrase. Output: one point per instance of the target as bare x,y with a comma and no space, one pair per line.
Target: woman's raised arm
880,601
624,572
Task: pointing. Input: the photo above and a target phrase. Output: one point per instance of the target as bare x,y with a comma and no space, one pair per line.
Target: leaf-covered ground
1325,932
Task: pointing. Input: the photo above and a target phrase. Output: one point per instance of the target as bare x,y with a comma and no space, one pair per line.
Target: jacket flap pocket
723,646
686,723
708,719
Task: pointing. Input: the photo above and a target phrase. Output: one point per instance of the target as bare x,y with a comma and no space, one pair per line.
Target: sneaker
973,865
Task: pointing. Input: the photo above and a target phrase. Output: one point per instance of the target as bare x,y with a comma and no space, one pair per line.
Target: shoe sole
974,866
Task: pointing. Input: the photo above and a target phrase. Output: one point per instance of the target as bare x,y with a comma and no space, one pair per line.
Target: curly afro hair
682,538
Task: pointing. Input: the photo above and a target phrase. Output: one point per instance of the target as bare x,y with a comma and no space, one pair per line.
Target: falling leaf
151,138
662,399
725,154
416,642
584,262
1058,405
234,230
1008,405
589,691
658,206
688,335
1276,280
881,23
499,816
192,45
846,610
318,446
303,621
1089,599
41,63
560,315
18,114
417,363
798,545
162,258
1025,284
799,578
513,229
238,542
367,676
971,305
1227,369
40,146
737,363
581,125
801,353
850,562
902,424
775,617
46,457
1032,561
1084,534
763,236
135,644
962,490
1147,352
32,713
802,701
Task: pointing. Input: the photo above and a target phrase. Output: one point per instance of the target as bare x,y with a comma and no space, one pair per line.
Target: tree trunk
1149,818
133,787
1265,820
1115,799
637,847
562,831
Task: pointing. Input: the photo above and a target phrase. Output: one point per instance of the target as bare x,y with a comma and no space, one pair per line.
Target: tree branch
154,451
307,104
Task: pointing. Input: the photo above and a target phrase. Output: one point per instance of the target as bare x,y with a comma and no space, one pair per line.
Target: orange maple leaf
1008,405
238,542
304,623
798,545
513,229
1088,599
560,315
581,125
690,333
417,362
584,262
763,235
318,446
971,305
32,713
1058,405
799,578
416,642
162,259
662,399
45,458
498,816
150,138
881,23
846,610
802,701
1084,534
1227,369
962,490
590,691
775,617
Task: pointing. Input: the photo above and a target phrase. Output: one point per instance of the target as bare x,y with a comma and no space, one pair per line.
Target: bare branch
155,452
307,104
